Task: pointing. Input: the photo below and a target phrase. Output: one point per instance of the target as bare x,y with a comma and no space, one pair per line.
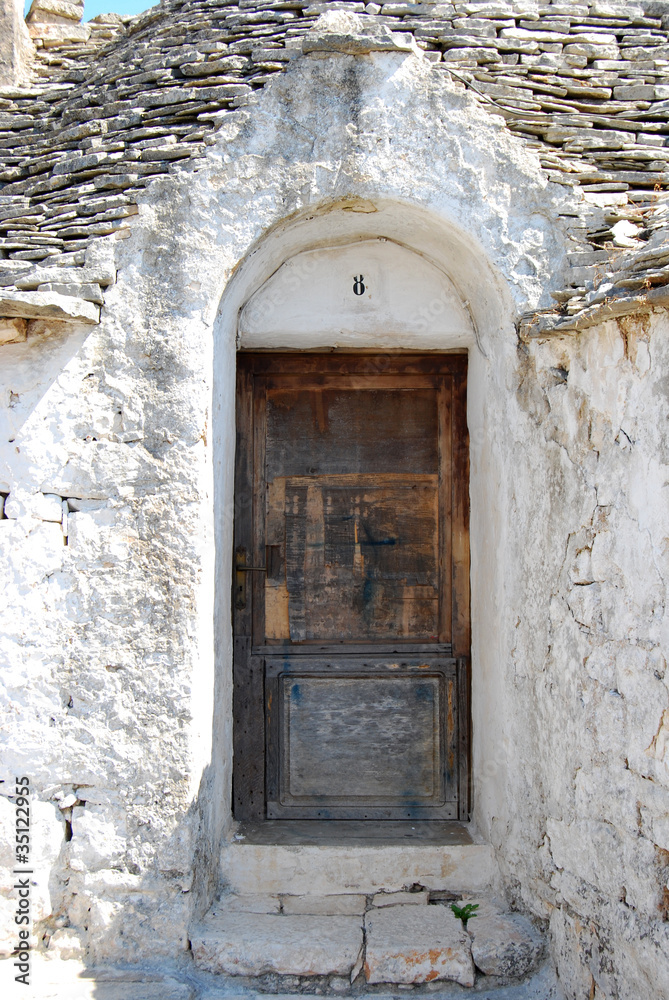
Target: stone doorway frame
488,299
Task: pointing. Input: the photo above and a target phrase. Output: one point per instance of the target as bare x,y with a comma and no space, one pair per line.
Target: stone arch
400,300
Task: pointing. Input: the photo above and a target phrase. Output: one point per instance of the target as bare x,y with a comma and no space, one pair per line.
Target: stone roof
116,102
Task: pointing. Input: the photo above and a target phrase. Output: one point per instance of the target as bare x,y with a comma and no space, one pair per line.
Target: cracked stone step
417,944
253,944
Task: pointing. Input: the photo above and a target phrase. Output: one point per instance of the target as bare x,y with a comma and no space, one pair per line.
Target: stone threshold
325,869
354,833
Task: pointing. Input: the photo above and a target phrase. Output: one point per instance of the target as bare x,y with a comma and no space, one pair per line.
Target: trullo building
334,465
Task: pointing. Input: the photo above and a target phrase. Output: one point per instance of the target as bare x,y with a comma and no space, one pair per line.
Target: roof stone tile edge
97,111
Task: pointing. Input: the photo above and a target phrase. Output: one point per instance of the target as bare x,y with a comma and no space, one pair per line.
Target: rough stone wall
583,749
104,546
110,639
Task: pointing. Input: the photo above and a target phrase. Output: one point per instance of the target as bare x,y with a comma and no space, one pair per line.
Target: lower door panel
362,737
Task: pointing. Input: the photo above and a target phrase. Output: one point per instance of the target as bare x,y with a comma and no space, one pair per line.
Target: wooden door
351,588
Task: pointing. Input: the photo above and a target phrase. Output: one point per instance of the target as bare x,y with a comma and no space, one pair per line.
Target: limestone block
401,898
245,944
249,904
13,331
47,507
320,870
41,547
48,305
411,944
102,273
54,31
47,838
57,8
16,50
504,944
97,838
352,903
89,292
342,31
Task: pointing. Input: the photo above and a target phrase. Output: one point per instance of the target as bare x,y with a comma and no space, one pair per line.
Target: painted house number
358,285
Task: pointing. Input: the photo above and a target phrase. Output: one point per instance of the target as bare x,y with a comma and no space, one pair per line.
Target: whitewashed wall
116,648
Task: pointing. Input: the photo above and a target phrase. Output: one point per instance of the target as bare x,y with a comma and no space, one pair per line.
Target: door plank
362,362
461,635
247,690
259,438
350,382
445,503
325,431
248,786
464,737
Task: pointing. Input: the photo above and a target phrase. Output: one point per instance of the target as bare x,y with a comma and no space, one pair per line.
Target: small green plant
466,912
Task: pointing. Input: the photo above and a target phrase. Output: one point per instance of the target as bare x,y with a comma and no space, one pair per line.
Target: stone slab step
417,944
321,870
405,941
253,944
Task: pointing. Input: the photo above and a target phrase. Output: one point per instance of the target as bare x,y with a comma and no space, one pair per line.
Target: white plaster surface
401,301
503,944
571,781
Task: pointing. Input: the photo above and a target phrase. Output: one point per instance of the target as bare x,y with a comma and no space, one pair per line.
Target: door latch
241,569
271,567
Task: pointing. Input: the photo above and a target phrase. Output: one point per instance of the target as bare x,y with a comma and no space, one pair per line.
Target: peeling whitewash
115,461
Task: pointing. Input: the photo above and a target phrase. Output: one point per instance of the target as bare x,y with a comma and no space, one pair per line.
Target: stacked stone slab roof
114,103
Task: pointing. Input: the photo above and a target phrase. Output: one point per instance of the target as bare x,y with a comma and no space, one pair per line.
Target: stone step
321,870
255,944
401,938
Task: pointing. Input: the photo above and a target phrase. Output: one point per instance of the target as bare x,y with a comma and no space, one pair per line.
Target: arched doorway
351,578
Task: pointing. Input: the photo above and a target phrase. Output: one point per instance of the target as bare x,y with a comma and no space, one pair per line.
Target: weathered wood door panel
351,598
